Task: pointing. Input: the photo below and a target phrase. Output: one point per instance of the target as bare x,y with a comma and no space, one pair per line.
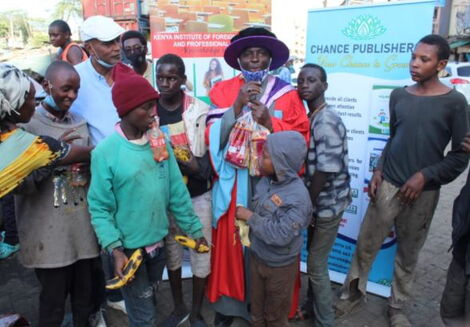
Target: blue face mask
258,76
49,100
102,62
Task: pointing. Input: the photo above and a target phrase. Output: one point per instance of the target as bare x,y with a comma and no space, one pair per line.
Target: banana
182,154
190,243
129,270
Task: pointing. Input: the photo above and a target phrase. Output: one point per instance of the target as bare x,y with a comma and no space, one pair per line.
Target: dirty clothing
53,220
200,262
455,302
328,153
282,206
411,227
420,129
139,295
130,195
270,299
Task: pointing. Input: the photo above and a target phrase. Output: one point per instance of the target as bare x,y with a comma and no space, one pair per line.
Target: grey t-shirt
420,129
328,153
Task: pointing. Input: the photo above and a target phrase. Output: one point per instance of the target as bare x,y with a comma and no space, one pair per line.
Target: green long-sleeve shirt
130,195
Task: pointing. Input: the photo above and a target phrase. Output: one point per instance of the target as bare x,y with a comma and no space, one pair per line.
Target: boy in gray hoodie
282,208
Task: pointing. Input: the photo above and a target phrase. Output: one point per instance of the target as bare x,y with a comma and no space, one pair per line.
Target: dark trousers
9,219
271,293
77,280
455,302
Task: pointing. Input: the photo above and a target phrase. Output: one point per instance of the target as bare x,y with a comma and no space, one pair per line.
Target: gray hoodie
282,208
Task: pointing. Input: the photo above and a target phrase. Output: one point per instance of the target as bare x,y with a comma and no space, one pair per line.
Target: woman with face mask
275,105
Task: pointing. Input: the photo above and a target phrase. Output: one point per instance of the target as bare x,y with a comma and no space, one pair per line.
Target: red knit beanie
130,90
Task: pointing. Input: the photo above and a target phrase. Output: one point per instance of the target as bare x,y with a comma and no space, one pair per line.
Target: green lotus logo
364,27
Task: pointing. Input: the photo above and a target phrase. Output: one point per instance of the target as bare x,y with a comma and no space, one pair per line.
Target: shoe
7,250
398,318
97,319
346,306
118,305
175,320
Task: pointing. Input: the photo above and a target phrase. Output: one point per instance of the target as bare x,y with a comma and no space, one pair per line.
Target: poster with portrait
199,32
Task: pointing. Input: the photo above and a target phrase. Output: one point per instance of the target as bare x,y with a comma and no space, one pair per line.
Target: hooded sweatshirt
282,207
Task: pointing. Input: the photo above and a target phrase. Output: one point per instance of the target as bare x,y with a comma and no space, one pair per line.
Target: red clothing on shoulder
294,115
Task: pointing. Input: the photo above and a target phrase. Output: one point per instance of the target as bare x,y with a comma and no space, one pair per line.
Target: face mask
136,59
258,76
49,100
102,62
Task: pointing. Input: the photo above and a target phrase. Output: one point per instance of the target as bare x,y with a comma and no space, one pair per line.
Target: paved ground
19,289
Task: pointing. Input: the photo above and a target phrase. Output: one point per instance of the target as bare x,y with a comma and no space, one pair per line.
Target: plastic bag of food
258,138
157,142
238,152
179,141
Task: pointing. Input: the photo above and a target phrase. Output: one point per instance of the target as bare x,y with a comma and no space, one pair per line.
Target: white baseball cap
101,28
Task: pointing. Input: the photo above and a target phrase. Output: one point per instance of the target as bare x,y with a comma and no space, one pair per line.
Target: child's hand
243,213
120,260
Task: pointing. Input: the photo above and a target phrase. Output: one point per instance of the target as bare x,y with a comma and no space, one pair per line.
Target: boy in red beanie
131,193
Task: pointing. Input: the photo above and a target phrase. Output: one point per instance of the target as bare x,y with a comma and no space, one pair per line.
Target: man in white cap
101,36
94,103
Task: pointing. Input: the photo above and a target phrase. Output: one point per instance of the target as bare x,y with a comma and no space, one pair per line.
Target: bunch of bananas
182,154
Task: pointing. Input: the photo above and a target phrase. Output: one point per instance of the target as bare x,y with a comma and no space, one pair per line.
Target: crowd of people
86,179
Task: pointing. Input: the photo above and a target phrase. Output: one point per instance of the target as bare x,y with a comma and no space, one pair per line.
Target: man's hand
120,261
190,167
466,143
412,188
243,213
261,114
248,91
375,184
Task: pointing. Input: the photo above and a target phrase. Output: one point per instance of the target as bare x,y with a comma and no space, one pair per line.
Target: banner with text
200,31
365,51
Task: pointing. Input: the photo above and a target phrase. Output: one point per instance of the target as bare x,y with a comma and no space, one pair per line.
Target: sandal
302,314
398,319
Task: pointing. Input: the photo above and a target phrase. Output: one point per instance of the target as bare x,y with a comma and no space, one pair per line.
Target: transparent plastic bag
258,138
238,152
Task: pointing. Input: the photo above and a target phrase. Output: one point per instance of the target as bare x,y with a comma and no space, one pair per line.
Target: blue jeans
139,295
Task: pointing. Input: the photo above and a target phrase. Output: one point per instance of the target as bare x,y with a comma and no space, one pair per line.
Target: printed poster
199,32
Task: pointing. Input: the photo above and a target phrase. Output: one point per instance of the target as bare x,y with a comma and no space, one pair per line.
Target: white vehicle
457,76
